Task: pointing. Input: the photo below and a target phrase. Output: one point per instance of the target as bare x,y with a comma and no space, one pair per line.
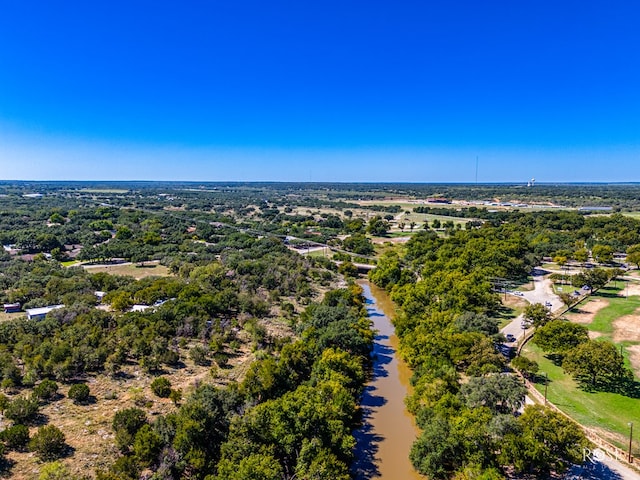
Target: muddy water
384,441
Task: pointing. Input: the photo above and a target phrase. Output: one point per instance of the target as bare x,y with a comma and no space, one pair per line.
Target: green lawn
618,307
608,412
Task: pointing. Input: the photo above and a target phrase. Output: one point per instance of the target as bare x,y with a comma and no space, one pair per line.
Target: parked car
548,304
510,338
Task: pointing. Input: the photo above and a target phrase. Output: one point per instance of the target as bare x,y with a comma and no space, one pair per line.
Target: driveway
542,292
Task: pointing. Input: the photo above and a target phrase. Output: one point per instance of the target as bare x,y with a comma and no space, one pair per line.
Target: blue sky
325,91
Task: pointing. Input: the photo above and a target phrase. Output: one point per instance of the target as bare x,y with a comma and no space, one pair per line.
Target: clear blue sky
324,91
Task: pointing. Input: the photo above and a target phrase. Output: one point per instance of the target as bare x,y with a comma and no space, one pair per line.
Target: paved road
597,465
542,292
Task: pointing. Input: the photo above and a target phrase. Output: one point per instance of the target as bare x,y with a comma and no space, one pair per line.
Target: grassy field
609,413
10,316
147,270
617,307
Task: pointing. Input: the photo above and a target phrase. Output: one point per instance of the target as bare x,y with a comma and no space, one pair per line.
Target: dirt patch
631,289
634,358
585,312
627,328
513,301
138,271
594,335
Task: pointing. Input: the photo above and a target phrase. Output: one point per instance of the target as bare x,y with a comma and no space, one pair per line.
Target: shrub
79,393
22,409
126,424
161,386
147,445
15,437
199,355
175,396
46,389
55,471
48,442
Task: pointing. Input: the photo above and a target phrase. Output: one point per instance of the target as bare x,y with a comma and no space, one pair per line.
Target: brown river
384,441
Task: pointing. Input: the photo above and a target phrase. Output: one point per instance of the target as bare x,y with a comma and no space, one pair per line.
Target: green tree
15,437
348,269
22,409
536,314
126,424
378,227
634,257
545,441
161,386
79,393
358,243
525,365
55,471
602,253
147,445
256,466
175,396
46,390
48,442
56,218
561,260
388,271
500,393
597,365
560,336
581,255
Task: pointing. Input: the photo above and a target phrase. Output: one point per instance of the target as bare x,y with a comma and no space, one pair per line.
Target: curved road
541,293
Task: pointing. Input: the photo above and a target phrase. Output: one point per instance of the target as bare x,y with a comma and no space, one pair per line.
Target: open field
609,413
601,310
609,316
147,270
4,317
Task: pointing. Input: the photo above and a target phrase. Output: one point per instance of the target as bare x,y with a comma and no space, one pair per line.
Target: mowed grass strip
607,412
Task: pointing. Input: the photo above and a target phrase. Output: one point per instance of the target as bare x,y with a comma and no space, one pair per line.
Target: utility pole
630,440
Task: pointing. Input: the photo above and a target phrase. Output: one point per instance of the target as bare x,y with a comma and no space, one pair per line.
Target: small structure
139,308
11,307
99,295
40,313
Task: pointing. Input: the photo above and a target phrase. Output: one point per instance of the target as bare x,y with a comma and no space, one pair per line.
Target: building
11,307
40,313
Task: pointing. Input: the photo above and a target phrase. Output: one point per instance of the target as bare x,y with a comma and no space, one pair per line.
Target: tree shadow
555,358
367,440
6,465
626,387
593,471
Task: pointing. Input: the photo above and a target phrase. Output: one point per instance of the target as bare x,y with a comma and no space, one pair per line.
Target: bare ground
627,328
588,310
634,358
631,289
